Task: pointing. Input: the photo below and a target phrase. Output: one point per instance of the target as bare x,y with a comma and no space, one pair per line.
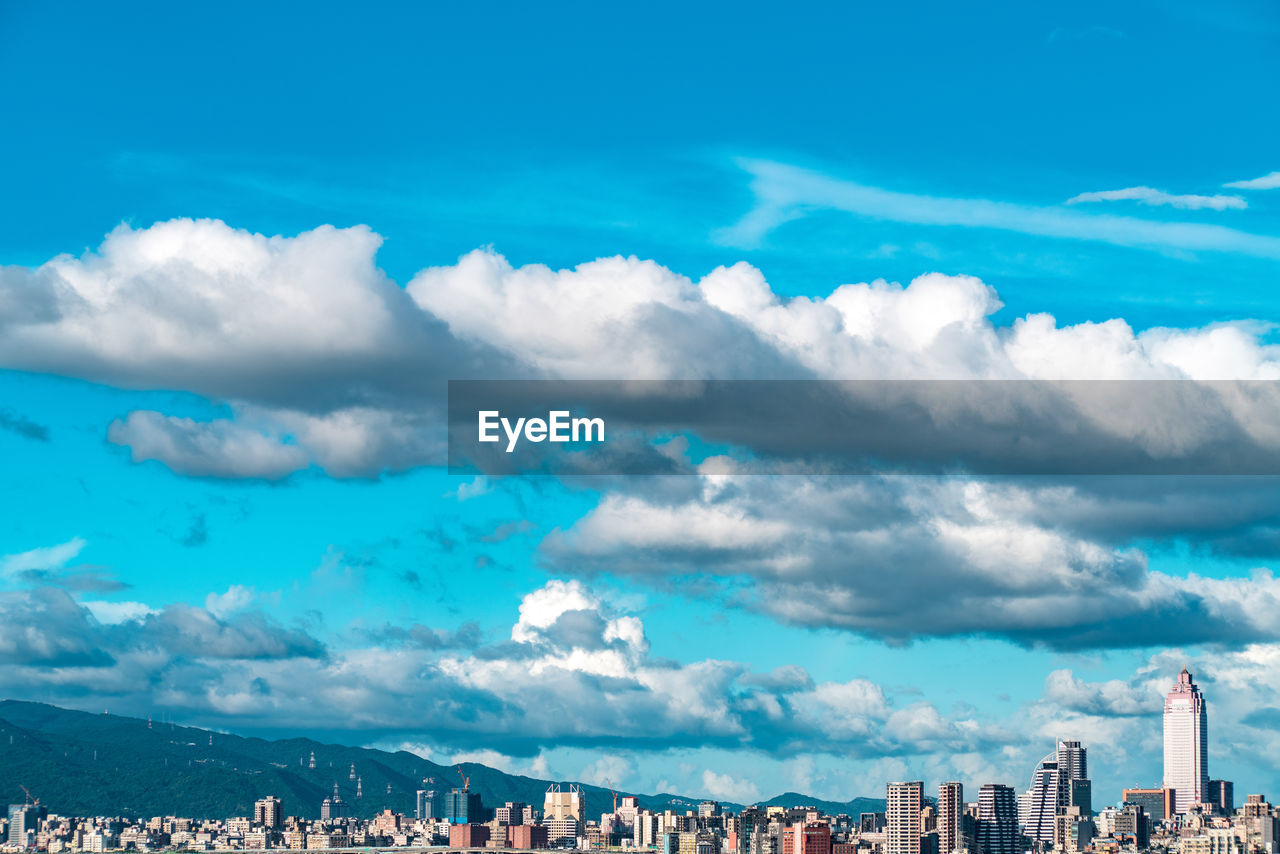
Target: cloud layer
322,360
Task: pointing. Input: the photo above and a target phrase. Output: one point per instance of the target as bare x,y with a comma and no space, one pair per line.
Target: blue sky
832,144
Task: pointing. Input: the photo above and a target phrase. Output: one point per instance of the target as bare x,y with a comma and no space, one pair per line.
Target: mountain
853,807
79,763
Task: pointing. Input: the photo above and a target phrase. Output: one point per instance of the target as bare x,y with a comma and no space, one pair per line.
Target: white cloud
115,613
44,557
724,787
610,769
219,448
1151,196
1036,563
1270,181
784,192
236,598
324,361
541,608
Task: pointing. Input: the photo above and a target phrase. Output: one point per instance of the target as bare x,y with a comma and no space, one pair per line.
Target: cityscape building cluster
1186,814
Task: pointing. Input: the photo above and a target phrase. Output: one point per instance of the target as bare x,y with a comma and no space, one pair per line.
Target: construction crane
609,784
30,801
466,781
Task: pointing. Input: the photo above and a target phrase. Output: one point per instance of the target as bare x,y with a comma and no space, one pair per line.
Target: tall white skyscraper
1186,743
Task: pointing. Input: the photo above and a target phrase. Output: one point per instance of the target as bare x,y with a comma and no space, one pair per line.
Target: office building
512,812
1039,803
997,825
1222,797
1157,804
1186,743
566,803
1132,825
462,806
24,819
561,831
425,806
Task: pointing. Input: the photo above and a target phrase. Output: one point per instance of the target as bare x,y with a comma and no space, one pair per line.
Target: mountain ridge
83,763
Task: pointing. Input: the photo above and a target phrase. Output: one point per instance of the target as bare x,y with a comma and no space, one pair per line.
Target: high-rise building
462,806
1081,796
425,806
950,814
1073,766
902,817
997,825
1186,743
1060,780
568,803
1255,806
1133,824
1222,796
1157,804
266,813
23,818
512,812
1039,803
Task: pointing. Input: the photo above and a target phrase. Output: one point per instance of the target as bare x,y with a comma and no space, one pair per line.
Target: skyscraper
1073,764
1186,743
462,806
1039,803
950,813
1222,796
902,817
425,806
1060,780
997,825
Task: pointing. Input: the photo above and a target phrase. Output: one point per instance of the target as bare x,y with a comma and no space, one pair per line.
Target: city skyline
1055,813
1060,780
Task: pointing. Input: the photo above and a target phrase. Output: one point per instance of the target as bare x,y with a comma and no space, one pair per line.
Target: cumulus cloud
555,688
725,787
510,701
221,448
322,360
1151,196
304,334
855,554
236,597
47,626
